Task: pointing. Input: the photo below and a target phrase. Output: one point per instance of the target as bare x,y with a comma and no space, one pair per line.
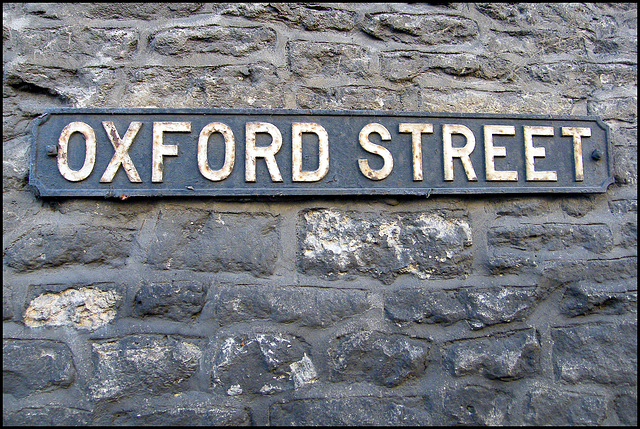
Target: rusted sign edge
315,191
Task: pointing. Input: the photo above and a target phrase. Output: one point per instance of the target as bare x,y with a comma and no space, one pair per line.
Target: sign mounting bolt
596,155
52,150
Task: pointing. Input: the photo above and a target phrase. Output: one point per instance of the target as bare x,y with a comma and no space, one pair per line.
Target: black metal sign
244,152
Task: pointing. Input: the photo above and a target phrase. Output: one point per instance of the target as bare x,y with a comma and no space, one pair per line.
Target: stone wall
447,310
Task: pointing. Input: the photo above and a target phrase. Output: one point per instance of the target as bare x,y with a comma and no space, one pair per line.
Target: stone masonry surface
483,310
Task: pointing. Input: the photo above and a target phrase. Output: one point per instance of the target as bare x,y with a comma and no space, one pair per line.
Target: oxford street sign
265,152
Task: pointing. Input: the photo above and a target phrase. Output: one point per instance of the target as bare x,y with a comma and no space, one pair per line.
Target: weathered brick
82,44
82,307
430,245
306,306
553,407
30,366
604,353
262,364
204,240
352,411
584,297
479,307
431,29
234,41
47,416
177,300
46,246
153,364
406,65
311,17
386,360
254,85
476,405
505,358
552,237
357,97
309,59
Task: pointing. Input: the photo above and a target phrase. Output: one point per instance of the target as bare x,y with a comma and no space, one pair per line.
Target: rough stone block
83,308
179,409
621,207
423,306
144,11
584,297
241,86
601,353
429,245
308,59
626,407
306,306
7,302
30,366
223,40
311,17
406,65
204,240
83,44
476,405
629,232
153,364
47,246
386,360
504,358
552,407
552,237
428,29
47,416
357,97
598,270
350,412
262,364
177,300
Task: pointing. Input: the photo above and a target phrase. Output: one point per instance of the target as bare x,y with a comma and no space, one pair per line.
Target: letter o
89,155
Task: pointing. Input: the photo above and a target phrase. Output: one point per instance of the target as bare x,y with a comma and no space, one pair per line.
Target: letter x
121,156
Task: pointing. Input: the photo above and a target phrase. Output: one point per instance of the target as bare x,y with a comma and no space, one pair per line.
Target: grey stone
626,407
626,165
143,11
47,246
601,353
428,29
309,59
623,206
552,407
423,306
334,244
350,411
177,300
522,208
384,359
629,232
153,364
357,97
476,405
261,364
311,17
306,306
7,302
598,270
235,41
507,263
584,297
552,237
30,366
204,240
47,416
505,358
499,304
578,206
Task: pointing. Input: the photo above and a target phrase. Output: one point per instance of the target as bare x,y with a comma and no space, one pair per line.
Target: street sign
264,152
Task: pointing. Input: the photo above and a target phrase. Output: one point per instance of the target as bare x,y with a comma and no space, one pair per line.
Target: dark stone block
262,364
47,246
386,360
177,300
626,407
143,363
335,244
552,407
350,412
309,59
552,237
476,405
584,297
602,353
428,29
597,270
30,366
306,306
47,416
207,241
504,358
